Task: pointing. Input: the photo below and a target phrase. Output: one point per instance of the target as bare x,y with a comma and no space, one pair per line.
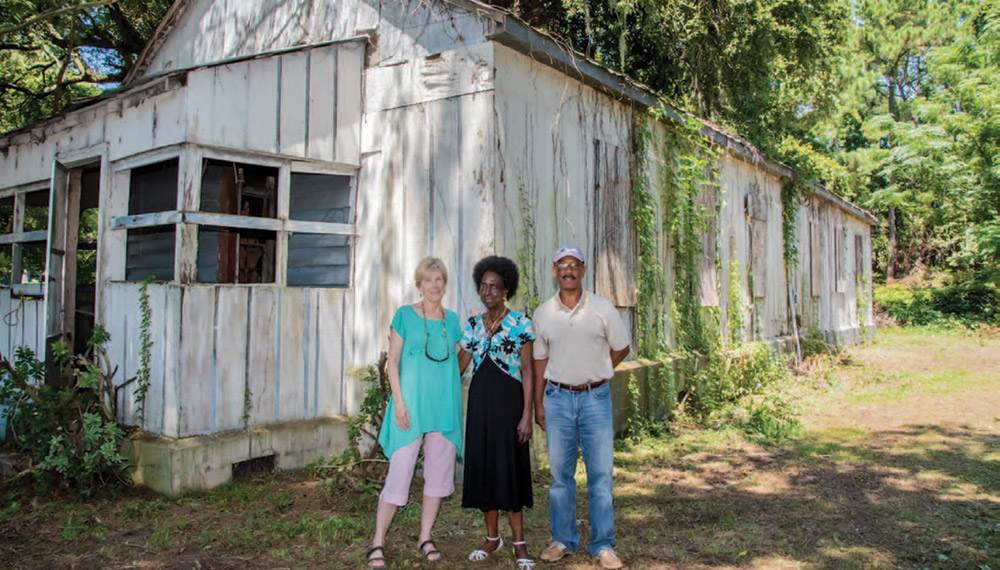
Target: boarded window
815,255
839,255
614,235
758,257
153,188
150,252
859,256
708,271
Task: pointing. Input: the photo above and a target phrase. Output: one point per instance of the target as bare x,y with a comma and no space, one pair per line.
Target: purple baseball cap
568,250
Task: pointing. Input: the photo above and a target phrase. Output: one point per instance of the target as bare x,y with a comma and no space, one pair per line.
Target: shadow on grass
917,497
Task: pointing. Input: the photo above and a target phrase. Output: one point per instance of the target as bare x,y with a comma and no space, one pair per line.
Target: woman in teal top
425,408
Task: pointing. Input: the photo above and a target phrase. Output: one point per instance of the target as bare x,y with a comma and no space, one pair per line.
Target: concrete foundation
173,466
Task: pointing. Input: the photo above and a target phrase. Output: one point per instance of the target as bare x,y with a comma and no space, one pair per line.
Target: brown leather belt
579,387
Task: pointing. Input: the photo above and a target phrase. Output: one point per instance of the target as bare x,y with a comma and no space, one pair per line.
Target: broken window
839,254
237,254
238,225
24,217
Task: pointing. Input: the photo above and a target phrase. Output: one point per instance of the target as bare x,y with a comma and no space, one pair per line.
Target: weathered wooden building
280,166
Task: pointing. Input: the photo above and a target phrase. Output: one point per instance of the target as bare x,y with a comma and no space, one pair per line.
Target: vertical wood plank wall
22,323
290,362
548,125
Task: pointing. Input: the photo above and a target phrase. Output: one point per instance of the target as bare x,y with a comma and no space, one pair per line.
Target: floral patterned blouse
504,347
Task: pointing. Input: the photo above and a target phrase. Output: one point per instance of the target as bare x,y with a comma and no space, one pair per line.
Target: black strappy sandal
373,561
428,553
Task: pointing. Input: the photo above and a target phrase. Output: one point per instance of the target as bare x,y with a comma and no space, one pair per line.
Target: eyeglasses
485,287
573,266
427,338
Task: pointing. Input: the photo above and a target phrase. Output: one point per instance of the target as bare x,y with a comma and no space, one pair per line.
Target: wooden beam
24,237
146,220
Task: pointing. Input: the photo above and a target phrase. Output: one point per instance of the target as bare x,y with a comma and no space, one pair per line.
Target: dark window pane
153,188
320,198
319,260
150,251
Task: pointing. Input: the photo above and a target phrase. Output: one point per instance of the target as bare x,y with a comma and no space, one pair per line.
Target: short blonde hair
426,266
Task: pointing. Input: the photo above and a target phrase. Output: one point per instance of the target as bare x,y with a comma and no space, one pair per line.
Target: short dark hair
505,268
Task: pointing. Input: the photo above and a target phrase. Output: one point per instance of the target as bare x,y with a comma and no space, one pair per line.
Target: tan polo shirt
578,342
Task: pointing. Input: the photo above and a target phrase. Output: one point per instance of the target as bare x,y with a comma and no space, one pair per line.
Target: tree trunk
890,270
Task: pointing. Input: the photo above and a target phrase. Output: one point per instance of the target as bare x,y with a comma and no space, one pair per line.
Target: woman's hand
402,416
524,428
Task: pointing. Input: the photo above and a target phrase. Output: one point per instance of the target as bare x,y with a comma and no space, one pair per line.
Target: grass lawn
897,466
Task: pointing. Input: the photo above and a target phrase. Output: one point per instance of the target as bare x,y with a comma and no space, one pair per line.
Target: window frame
18,237
188,217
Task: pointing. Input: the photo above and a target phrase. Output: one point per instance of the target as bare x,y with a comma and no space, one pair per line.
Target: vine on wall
145,351
526,254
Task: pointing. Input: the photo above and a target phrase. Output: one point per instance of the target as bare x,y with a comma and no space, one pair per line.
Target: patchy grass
895,464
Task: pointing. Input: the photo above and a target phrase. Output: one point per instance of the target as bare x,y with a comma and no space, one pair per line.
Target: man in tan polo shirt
579,339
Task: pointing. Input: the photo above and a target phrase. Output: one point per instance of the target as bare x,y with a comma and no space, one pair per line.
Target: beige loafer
554,552
608,558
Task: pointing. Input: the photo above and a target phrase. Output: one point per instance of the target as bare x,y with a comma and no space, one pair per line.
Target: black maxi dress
497,468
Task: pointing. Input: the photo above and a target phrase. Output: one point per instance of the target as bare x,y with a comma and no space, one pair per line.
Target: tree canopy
890,103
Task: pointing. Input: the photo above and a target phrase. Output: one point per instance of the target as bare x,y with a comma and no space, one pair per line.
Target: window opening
239,189
231,255
149,251
153,188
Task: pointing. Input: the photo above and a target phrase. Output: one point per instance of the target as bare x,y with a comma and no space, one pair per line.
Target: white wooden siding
548,124
22,323
212,343
215,30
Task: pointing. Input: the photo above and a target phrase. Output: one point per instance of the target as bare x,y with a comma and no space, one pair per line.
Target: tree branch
53,14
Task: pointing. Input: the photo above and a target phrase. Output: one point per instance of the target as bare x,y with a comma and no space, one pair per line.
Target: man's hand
540,416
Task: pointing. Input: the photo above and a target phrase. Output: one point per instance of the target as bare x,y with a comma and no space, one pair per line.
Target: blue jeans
580,420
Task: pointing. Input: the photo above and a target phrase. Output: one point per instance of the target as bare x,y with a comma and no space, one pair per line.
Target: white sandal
480,555
523,563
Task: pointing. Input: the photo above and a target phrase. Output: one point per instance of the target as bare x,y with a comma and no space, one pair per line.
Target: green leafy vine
145,351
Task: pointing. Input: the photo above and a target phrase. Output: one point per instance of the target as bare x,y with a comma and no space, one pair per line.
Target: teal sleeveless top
431,390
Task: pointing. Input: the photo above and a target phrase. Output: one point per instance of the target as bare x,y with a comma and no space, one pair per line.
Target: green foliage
361,465
968,304
56,52
737,307
746,371
72,433
145,351
526,254
769,419
650,292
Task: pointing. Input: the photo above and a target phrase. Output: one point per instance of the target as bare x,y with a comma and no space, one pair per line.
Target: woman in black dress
498,425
